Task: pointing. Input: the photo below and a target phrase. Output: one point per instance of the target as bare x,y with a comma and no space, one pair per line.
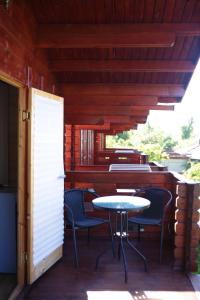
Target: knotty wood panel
18,58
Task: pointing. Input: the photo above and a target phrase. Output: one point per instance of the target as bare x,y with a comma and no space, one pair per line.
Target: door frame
22,184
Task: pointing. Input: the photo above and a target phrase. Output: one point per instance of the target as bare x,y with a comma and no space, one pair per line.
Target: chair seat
90,222
145,221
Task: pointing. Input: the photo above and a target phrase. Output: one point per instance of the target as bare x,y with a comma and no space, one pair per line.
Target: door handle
62,176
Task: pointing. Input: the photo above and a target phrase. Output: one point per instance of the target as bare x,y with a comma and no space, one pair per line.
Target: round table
121,206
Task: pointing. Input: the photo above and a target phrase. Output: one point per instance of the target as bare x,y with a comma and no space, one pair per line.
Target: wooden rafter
113,35
157,90
169,100
121,66
114,110
111,100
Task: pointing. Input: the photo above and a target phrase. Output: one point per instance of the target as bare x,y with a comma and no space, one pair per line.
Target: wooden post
186,227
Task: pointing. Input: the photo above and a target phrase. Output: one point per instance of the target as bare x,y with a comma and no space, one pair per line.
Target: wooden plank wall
120,179
108,157
67,147
86,147
79,147
18,57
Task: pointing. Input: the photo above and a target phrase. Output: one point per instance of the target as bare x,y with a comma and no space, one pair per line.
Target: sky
171,121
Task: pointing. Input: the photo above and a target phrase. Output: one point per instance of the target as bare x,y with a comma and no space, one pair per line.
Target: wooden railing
185,205
110,157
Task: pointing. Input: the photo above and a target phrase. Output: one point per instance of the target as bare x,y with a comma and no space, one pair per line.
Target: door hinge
25,256
26,115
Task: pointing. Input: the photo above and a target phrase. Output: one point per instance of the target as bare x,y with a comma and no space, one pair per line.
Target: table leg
133,247
123,236
111,233
121,246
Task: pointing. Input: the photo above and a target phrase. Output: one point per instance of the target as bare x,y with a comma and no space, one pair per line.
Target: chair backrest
159,198
74,202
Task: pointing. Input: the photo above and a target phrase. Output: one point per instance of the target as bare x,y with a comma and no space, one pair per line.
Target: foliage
187,130
152,141
193,172
169,143
123,135
154,151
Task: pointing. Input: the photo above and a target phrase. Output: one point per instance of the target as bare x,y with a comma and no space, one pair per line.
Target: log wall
19,60
186,226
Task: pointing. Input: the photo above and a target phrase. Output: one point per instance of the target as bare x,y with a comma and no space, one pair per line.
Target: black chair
77,218
156,214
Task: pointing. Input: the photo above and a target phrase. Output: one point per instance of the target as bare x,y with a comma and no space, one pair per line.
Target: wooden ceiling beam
64,39
83,120
138,120
169,100
113,35
105,126
121,66
122,126
113,110
110,100
78,119
157,90
125,126
161,107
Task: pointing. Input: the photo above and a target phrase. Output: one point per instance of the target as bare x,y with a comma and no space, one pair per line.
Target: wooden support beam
116,119
121,66
161,107
110,100
105,126
118,126
113,35
122,127
78,119
169,100
157,90
83,120
64,39
101,110
138,120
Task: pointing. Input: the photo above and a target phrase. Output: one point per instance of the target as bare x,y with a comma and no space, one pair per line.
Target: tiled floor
63,281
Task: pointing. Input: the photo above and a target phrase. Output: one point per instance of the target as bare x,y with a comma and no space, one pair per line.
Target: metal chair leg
88,235
139,227
111,235
161,242
75,247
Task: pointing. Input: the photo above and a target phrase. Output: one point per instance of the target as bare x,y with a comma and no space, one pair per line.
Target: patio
63,281
77,71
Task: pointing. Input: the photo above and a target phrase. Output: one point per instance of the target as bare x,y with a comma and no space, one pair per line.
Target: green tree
193,172
187,130
169,143
123,135
154,151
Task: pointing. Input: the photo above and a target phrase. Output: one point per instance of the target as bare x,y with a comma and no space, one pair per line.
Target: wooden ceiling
114,60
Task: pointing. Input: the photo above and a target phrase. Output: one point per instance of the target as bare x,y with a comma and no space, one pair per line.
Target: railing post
186,227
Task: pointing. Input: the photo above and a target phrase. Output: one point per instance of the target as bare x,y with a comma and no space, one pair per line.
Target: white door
46,182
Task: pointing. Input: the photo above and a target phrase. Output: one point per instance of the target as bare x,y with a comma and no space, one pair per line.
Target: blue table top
121,203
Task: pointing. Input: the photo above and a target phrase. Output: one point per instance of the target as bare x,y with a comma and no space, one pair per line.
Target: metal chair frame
73,222
159,222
